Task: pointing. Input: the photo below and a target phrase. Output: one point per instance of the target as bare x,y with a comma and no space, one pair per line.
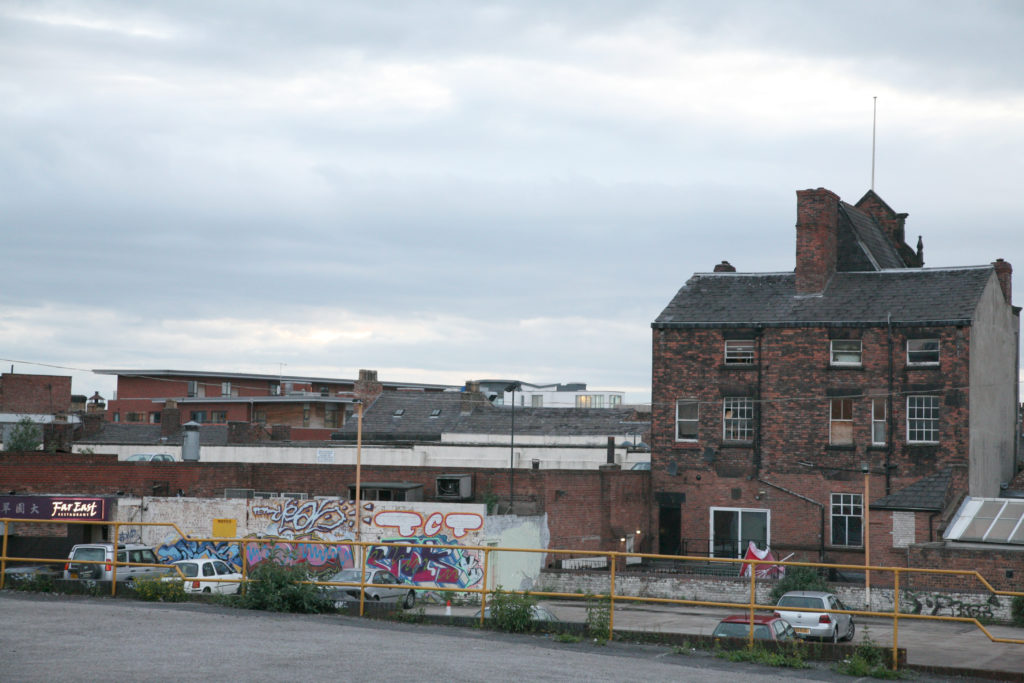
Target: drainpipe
821,511
760,407
891,436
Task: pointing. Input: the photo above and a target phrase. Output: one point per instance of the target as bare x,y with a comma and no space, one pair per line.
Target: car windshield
189,569
800,601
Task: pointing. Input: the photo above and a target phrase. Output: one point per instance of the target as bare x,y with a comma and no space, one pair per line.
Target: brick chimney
725,267
367,387
471,398
1004,271
170,418
817,223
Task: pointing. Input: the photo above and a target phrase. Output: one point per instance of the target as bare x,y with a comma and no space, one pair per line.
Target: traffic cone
448,608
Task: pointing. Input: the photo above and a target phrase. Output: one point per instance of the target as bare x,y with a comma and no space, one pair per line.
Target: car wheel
206,590
410,600
375,598
850,631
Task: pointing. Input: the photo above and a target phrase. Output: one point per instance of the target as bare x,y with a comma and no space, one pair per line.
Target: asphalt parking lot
47,637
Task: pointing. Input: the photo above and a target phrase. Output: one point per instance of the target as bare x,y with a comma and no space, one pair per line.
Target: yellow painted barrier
613,558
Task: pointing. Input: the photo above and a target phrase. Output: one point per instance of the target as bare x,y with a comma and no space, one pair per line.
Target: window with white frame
738,419
841,422
591,401
922,419
922,352
225,388
614,401
847,512
687,419
537,401
878,422
739,351
846,352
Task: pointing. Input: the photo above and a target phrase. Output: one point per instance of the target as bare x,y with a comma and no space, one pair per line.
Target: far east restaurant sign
55,508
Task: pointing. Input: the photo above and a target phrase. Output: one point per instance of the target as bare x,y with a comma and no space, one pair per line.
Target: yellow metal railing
614,558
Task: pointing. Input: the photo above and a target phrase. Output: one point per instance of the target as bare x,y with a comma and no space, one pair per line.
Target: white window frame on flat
840,427
923,351
738,419
846,507
687,419
846,352
225,388
739,351
923,418
878,421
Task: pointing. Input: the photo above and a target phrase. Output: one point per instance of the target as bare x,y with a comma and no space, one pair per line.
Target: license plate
73,575
802,630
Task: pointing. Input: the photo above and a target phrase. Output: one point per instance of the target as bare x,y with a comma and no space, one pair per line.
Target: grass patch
567,638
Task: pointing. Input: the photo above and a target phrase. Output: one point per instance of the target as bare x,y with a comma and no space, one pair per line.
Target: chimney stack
367,388
170,418
1004,271
725,267
817,225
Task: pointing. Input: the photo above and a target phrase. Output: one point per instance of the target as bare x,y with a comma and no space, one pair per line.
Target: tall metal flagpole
874,124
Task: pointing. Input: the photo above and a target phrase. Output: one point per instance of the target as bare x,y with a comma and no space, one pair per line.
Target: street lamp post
512,448
359,468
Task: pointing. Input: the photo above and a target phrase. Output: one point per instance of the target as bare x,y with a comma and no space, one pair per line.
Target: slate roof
925,494
553,421
118,433
872,241
910,295
415,423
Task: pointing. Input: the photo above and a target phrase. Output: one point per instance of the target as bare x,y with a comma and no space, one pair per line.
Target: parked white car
150,457
824,625
199,572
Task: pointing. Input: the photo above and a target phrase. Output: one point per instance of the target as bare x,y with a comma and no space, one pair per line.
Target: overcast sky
444,191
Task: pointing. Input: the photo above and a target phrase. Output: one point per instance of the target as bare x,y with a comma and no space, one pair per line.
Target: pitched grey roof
871,240
911,295
553,421
415,422
119,433
925,494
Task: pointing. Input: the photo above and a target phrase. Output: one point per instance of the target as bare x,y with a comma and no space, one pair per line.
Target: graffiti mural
329,519
439,566
947,605
318,557
184,549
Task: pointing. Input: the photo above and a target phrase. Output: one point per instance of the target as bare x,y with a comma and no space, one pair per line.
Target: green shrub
26,435
799,579
511,612
279,587
599,618
760,655
155,590
38,583
1017,610
868,659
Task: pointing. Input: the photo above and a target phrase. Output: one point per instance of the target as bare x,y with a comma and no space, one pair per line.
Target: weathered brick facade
772,392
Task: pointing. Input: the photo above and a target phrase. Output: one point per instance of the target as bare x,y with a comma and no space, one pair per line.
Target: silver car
823,625
392,590
100,559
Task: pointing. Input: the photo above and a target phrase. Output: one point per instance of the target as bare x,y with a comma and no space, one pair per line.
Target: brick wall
586,509
46,394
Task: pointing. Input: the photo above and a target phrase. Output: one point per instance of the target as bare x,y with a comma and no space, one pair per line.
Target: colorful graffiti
318,557
440,566
184,549
948,605
461,523
329,519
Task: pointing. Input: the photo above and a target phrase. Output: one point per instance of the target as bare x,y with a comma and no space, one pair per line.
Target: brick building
774,392
34,394
315,404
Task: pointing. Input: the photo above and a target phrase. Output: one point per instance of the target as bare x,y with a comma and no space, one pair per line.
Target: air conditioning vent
455,487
